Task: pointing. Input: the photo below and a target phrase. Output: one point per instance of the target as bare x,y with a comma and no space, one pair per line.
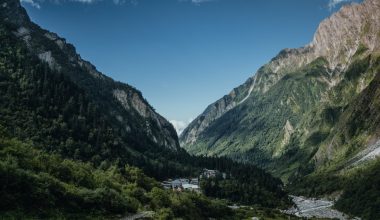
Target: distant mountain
308,109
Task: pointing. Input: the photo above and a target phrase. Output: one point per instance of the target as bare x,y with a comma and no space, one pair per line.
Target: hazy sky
181,54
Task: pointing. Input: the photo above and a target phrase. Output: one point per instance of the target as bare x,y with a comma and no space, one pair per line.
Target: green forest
35,184
76,144
62,155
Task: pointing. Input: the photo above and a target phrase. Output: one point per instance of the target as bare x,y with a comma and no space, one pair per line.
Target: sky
181,54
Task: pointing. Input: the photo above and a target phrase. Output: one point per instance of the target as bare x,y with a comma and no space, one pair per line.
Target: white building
191,187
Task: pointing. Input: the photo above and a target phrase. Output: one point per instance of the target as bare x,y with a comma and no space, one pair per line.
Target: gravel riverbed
320,208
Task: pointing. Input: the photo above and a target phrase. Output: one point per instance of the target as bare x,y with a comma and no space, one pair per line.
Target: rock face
123,102
271,115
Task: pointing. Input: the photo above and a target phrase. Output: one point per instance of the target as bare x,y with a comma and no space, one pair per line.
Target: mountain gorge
75,144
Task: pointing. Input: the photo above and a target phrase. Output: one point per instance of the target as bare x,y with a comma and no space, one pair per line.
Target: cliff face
308,77
339,36
124,103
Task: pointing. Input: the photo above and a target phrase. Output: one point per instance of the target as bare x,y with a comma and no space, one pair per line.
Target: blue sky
182,54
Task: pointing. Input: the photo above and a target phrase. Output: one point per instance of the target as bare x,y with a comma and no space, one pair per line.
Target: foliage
253,131
47,108
66,156
361,50
243,188
361,193
42,185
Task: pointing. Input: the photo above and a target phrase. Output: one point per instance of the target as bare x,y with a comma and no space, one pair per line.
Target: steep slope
73,141
86,108
284,116
121,102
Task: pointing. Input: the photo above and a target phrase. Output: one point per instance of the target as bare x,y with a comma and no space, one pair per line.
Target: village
193,183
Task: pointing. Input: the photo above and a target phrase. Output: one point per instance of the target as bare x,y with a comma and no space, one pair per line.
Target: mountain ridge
57,53
341,42
288,59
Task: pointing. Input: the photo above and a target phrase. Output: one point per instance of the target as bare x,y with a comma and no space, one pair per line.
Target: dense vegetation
37,184
63,154
330,126
65,149
361,196
254,131
237,187
46,107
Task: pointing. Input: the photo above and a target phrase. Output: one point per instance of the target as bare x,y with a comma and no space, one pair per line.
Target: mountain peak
13,12
338,37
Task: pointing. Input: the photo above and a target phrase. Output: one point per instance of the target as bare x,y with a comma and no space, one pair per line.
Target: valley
77,144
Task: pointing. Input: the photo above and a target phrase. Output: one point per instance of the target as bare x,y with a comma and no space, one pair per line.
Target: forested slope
89,145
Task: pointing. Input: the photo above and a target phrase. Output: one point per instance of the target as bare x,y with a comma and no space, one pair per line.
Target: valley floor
320,208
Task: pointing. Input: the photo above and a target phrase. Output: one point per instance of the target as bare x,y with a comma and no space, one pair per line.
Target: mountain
83,106
123,103
75,144
309,109
310,116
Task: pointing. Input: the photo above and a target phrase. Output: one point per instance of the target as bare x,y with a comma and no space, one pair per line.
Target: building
184,181
206,173
194,181
167,184
181,183
191,187
176,183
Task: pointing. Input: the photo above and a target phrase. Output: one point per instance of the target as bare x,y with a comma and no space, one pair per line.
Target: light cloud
32,3
84,1
333,3
200,1
197,2
37,3
180,125
120,2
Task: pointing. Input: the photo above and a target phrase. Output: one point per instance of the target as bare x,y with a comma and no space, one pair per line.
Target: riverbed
320,208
